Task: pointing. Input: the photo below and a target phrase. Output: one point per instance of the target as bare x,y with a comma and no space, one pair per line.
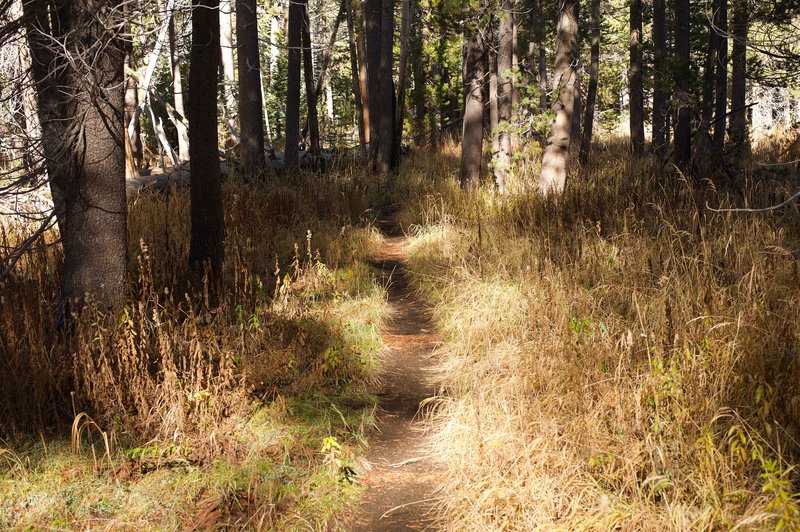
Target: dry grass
211,417
624,358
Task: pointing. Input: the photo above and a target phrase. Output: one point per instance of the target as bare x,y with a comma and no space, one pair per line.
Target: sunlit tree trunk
251,153
636,79
293,40
77,65
683,146
228,68
355,67
372,19
591,93
505,56
472,134
177,92
660,108
311,95
554,161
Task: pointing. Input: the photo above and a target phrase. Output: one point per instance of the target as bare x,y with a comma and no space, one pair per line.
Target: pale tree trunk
556,154
660,77
131,103
311,96
274,51
737,131
293,40
228,68
721,81
251,155
354,68
505,57
636,79
591,92
472,135
683,145
177,93
81,109
206,248
494,115
402,76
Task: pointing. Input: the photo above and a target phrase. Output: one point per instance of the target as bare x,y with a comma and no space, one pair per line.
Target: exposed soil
401,483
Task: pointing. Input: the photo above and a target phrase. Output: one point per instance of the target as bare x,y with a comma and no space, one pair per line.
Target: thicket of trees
94,98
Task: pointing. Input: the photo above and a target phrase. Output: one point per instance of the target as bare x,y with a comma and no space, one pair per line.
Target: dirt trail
402,482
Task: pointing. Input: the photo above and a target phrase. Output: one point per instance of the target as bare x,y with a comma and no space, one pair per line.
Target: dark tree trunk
683,145
293,40
703,145
721,82
355,68
505,57
311,95
636,80
372,17
206,249
472,134
251,120
554,161
591,93
737,133
386,115
660,77
77,65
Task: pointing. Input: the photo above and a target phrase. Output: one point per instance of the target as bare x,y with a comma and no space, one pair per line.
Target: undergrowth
623,358
247,415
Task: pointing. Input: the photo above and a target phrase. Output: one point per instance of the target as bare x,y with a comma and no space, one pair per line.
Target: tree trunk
472,134
636,78
591,93
177,92
131,103
660,77
355,69
721,99
311,96
251,154
402,76
386,115
703,145
78,60
418,95
737,132
293,40
228,68
554,161
683,141
206,248
505,57
494,115
372,18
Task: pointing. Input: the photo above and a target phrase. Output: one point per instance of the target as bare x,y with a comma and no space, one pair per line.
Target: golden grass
624,358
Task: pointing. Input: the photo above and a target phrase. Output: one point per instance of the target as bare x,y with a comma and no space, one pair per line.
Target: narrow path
402,481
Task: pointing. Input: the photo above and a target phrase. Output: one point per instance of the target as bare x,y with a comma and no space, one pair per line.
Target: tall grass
622,358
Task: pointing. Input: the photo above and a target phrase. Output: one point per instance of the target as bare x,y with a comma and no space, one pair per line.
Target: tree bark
683,141
737,132
293,85
591,93
402,76
251,154
556,154
660,105
206,247
355,69
372,18
77,64
721,81
386,115
419,72
636,80
472,134
177,93
505,57
311,95
703,145
228,68
494,115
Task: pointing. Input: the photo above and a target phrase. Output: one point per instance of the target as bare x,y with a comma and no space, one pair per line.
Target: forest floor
403,475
